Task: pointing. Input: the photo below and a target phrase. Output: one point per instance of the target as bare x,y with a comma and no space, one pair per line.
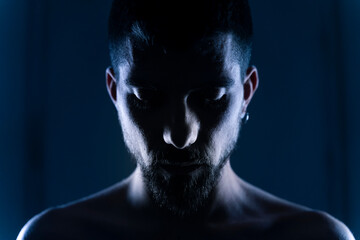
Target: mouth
181,169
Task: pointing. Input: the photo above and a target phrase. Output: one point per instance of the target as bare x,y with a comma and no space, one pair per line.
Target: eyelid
136,92
145,93
213,93
221,93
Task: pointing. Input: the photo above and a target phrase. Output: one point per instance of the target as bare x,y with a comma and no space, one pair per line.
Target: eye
145,97
213,94
210,98
144,94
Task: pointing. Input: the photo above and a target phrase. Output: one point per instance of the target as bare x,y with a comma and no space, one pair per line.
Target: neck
229,195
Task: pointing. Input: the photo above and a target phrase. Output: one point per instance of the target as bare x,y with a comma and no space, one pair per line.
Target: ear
111,83
250,85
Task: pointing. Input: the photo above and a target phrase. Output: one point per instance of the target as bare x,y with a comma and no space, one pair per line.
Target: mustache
177,156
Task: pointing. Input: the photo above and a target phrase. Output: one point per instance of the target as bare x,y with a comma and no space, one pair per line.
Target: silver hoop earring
245,119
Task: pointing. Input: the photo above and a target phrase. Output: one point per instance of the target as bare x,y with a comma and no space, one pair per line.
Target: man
181,83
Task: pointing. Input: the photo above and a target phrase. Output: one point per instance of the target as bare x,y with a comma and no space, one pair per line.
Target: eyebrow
136,80
225,82
131,82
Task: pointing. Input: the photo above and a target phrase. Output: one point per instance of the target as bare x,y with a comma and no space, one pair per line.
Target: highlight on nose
183,137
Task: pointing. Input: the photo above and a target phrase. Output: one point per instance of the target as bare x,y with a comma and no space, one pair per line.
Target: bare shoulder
86,217
287,220
41,226
327,226
310,224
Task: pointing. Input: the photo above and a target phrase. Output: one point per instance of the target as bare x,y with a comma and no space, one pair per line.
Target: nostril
173,138
179,138
182,127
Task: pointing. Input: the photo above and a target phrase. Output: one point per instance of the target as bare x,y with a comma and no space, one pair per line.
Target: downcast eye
213,94
146,98
210,98
144,94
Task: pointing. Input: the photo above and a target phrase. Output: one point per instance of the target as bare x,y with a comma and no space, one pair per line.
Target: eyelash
215,103
138,103
213,98
200,99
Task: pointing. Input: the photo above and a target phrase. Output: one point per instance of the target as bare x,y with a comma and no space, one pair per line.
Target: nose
182,127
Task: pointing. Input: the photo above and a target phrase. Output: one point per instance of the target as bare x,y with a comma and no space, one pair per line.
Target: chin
181,195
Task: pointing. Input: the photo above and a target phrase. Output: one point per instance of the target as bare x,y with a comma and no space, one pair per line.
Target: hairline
122,53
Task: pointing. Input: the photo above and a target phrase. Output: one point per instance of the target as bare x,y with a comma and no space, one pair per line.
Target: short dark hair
177,24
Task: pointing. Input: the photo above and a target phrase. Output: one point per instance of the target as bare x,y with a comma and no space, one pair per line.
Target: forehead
208,61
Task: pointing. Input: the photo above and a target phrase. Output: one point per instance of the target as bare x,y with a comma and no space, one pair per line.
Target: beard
183,195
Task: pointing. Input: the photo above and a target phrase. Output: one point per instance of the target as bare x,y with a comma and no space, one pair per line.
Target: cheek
132,133
225,135
147,122
223,118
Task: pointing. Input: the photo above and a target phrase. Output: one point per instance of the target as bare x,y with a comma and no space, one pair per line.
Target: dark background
59,135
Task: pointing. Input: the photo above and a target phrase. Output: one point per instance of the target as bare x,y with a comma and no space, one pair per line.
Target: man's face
180,113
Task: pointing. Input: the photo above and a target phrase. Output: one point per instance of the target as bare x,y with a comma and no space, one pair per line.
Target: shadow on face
190,99
180,112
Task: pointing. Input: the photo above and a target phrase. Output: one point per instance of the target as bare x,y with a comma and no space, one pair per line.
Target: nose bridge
182,126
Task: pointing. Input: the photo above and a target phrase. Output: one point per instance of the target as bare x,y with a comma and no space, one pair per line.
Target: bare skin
183,121
249,213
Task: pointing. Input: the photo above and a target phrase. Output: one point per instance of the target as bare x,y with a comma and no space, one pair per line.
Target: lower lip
180,170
